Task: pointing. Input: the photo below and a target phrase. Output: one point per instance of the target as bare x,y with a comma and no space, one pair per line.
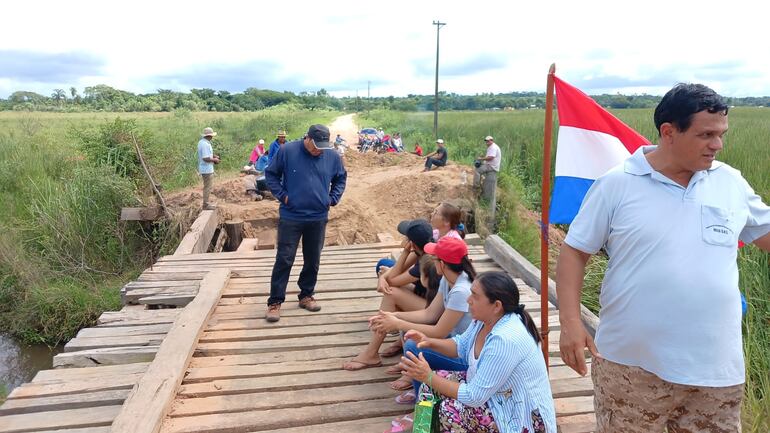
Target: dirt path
381,191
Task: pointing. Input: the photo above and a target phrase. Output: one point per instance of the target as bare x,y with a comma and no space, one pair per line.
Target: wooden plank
150,400
87,343
275,357
168,299
199,236
107,356
572,387
62,374
574,405
280,400
287,344
319,296
289,418
263,262
137,317
327,250
134,296
163,283
365,425
150,275
103,429
281,333
208,374
285,322
140,213
73,418
236,288
64,402
115,331
55,387
248,244
516,264
577,423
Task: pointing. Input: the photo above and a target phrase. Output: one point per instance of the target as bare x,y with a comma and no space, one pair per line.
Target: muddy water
19,363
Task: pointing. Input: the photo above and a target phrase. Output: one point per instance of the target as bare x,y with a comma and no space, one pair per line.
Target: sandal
393,369
354,365
401,384
406,398
400,424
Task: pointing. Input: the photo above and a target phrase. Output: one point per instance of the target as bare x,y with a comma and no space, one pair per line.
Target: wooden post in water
544,220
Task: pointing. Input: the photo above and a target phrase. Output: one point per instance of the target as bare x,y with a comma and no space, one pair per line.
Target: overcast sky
486,46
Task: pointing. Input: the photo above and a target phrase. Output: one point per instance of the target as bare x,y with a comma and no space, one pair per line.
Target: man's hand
573,340
383,286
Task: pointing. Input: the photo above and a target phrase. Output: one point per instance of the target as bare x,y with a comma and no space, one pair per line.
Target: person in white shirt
206,161
488,166
668,352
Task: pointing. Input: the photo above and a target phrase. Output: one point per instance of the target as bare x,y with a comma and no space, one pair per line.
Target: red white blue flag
591,141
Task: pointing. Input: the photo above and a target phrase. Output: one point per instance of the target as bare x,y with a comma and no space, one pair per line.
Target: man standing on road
306,177
440,156
276,145
206,161
668,352
488,166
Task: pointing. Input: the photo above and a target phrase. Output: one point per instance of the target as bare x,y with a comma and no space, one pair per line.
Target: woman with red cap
447,314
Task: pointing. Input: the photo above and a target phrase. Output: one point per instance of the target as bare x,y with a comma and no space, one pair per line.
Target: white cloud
341,45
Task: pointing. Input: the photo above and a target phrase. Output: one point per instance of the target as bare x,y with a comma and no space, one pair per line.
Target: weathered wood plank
199,236
577,423
574,405
327,250
285,322
64,402
108,356
285,418
279,399
150,400
248,244
286,344
282,333
55,387
275,357
138,317
319,296
116,331
87,343
365,425
63,374
73,418
168,299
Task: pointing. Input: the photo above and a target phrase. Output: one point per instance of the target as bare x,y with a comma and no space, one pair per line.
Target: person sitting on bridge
445,220
440,156
401,288
504,386
447,314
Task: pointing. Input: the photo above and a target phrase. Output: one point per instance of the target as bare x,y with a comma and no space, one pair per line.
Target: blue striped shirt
509,361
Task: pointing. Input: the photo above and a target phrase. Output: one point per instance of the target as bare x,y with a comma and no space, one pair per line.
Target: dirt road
381,191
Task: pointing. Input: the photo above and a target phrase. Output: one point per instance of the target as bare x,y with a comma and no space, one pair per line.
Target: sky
628,47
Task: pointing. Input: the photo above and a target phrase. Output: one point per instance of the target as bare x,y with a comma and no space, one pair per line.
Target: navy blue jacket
311,183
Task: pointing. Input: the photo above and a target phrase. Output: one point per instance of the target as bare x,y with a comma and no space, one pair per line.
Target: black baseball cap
418,231
320,135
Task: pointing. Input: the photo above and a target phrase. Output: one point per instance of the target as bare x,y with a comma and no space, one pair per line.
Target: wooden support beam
198,238
248,244
234,230
150,400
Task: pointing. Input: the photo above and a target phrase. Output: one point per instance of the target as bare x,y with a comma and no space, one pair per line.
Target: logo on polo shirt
716,228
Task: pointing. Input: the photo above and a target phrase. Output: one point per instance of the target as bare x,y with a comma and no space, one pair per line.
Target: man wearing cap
440,156
401,289
276,145
206,161
307,177
488,166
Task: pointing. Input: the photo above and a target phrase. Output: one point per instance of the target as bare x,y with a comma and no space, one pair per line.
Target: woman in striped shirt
506,387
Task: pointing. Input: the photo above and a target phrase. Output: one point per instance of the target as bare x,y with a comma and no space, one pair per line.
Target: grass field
63,180
520,136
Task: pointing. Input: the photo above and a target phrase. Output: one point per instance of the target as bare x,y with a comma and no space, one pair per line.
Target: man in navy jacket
307,177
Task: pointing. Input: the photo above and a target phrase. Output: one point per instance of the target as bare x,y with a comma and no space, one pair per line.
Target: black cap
320,135
418,231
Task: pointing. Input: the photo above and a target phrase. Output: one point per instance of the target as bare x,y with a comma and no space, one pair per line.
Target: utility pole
368,96
438,25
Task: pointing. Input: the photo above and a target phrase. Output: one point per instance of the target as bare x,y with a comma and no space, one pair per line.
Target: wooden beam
150,400
140,213
248,244
198,238
514,263
234,230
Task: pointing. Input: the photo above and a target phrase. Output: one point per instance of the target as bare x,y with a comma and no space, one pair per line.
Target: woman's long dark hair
465,265
428,269
498,286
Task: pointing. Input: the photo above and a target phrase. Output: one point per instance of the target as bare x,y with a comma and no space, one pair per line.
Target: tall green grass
63,180
520,136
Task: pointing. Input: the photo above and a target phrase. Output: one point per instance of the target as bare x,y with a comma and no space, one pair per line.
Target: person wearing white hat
206,161
437,158
257,152
488,166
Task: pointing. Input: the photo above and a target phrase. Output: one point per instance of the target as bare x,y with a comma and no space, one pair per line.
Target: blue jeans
430,162
384,262
289,234
436,361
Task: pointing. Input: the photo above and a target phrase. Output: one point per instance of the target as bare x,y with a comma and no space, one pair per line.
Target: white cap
440,141
488,137
261,141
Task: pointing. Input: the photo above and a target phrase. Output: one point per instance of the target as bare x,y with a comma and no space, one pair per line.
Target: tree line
105,98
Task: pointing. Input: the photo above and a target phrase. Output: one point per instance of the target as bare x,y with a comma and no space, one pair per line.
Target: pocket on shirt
719,226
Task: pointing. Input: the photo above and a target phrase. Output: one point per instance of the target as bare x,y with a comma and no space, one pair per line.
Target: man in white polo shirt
488,166
668,352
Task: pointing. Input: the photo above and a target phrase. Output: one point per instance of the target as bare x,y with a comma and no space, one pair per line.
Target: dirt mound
381,191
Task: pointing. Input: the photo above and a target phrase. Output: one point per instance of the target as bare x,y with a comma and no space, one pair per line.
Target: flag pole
545,196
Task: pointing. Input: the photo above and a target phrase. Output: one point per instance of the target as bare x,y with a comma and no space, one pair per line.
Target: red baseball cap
447,249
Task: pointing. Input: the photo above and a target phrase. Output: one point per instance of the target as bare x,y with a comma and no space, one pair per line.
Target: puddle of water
19,363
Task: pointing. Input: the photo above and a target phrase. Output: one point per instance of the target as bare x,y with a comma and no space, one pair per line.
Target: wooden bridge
215,364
